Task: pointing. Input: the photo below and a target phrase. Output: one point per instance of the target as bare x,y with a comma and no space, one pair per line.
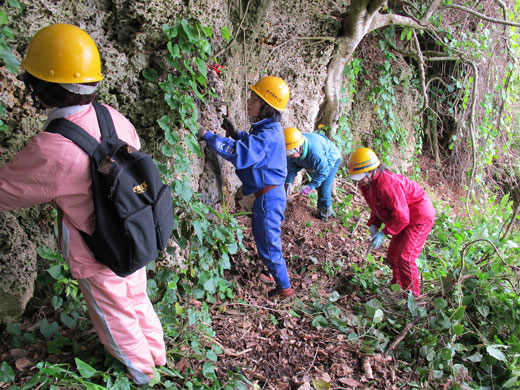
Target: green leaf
446,353
459,313
85,370
3,18
372,306
378,316
458,329
6,373
320,384
475,358
15,4
320,322
164,122
56,302
440,303
225,33
70,321
170,31
188,30
202,67
150,74
510,382
212,356
13,329
211,286
483,310
48,329
167,150
30,337
334,296
55,272
156,378
11,62
208,370
48,254
496,353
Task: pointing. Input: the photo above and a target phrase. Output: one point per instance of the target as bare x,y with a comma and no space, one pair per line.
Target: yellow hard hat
273,90
62,53
293,138
362,160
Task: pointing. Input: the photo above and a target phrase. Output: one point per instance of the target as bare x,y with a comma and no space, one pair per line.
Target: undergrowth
464,330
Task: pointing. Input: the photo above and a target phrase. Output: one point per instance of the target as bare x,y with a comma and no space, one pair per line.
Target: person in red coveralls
403,207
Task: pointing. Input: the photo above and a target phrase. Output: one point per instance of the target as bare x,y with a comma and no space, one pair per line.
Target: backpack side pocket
163,215
140,234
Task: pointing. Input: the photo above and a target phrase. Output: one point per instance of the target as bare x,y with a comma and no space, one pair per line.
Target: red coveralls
52,168
408,215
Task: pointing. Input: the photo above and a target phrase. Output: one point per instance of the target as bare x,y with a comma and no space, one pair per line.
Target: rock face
17,268
291,40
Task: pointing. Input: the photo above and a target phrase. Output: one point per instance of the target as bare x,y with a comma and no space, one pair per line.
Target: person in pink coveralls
404,208
62,72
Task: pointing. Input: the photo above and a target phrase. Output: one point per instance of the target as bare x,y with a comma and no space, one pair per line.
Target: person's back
260,156
320,158
397,200
53,168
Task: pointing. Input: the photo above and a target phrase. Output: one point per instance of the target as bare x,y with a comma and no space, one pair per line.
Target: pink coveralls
408,215
52,168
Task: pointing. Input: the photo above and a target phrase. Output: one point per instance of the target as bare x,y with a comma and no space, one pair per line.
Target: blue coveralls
321,159
260,161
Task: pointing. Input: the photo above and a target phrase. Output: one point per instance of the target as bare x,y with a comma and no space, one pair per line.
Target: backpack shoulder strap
106,124
75,133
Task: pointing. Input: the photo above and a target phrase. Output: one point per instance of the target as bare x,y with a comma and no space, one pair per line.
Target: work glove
289,189
377,239
306,190
201,133
229,126
373,230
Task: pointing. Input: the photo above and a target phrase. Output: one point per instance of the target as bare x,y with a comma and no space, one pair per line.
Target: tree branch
388,19
472,133
238,31
422,75
482,16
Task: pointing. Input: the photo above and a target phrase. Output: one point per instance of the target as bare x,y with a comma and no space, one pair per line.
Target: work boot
266,277
281,293
324,213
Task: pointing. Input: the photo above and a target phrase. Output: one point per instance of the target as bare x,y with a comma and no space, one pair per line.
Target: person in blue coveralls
261,166
320,158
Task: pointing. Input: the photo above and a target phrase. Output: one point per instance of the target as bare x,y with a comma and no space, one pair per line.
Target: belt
262,191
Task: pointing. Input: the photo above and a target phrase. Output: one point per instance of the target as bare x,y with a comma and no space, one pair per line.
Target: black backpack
133,208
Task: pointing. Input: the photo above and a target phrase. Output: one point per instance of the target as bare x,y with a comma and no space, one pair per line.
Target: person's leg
148,320
117,323
394,248
267,219
324,192
413,241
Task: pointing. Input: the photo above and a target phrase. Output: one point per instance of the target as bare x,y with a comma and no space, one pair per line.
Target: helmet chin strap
371,175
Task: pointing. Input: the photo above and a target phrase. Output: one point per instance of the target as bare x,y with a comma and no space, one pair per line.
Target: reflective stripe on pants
125,321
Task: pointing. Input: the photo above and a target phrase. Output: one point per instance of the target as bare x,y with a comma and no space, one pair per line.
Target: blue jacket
318,158
259,156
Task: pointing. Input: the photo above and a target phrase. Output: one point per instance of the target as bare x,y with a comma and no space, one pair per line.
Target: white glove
373,230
